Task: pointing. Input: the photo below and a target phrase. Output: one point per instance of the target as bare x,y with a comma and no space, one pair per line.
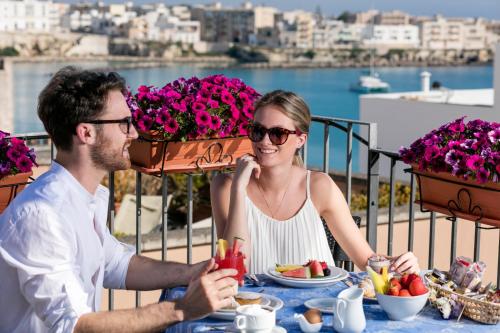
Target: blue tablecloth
428,320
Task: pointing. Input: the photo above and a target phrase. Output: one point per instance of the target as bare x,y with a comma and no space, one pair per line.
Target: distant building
31,16
394,17
453,33
351,33
365,17
326,34
393,36
230,25
492,33
296,29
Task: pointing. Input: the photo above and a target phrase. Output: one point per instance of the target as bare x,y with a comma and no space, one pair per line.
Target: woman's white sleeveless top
293,241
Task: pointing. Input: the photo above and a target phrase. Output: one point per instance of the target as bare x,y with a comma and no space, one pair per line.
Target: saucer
276,329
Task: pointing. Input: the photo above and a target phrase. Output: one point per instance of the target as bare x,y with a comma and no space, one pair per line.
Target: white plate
273,302
334,273
324,305
337,273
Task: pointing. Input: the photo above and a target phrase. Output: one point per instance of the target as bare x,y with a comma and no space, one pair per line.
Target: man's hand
207,292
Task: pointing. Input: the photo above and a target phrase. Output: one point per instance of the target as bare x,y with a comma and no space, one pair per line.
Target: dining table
428,320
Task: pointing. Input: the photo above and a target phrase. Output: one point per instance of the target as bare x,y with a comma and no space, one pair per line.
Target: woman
275,204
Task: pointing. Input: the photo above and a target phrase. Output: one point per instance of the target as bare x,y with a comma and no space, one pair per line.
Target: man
56,253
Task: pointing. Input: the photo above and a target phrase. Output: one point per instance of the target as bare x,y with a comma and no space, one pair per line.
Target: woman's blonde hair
292,106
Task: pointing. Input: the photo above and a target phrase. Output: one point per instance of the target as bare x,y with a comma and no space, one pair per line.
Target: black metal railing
357,134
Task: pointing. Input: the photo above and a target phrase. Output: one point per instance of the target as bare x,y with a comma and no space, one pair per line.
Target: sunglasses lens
256,133
277,135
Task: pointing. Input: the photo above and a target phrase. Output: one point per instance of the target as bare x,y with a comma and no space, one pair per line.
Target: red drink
233,261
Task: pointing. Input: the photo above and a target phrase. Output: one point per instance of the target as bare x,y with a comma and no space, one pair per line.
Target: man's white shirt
56,254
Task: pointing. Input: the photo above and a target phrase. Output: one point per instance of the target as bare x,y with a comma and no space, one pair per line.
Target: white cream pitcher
349,316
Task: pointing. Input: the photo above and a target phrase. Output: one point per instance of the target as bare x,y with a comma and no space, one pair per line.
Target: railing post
348,175
138,211
190,220
326,147
111,219
164,215
373,183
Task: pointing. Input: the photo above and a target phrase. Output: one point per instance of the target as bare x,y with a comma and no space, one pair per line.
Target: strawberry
393,291
323,265
412,277
404,280
417,287
404,293
394,282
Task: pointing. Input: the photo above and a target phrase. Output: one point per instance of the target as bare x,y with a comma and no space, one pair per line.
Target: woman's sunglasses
277,135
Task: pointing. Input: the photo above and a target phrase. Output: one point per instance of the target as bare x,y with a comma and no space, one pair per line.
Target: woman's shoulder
320,181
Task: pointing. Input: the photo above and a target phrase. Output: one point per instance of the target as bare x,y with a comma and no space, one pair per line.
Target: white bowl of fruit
401,298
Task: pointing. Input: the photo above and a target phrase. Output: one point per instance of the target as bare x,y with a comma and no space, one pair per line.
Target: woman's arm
228,201
332,206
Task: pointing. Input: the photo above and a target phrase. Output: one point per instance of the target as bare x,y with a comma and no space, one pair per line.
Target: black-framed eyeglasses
277,135
124,123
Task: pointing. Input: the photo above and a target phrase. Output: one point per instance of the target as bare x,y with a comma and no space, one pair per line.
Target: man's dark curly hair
74,96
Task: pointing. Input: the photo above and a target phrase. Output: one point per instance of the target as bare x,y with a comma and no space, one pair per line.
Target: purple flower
453,157
494,136
24,164
13,154
467,144
482,175
5,168
474,162
431,152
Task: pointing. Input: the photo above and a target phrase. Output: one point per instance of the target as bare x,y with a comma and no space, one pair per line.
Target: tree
347,17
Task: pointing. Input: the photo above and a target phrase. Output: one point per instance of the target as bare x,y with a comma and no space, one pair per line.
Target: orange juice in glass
231,258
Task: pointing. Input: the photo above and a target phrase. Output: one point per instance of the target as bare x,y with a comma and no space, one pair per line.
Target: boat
370,83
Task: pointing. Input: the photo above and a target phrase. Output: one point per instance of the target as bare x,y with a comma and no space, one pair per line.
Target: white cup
255,318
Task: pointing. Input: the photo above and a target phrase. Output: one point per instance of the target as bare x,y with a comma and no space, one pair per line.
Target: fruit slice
301,273
316,269
285,268
379,284
222,247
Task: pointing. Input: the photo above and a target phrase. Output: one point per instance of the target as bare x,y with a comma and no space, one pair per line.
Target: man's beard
105,157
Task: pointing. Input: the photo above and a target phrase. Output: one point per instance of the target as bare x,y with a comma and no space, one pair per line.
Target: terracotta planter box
189,156
10,186
444,193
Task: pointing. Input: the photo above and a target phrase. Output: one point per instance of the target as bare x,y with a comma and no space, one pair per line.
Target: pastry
248,298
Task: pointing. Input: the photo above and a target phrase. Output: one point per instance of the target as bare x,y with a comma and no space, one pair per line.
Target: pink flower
242,129
181,107
145,123
215,123
235,113
198,107
163,117
14,154
171,126
475,162
482,175
203,118
226,97
213,104
24,164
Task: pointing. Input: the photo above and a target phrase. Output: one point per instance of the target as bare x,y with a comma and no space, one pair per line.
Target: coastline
222,61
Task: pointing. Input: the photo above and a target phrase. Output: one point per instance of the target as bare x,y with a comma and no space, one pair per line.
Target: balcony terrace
435,240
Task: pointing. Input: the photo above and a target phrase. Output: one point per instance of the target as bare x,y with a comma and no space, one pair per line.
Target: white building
326,34
30,16
394,36
352,33
298,27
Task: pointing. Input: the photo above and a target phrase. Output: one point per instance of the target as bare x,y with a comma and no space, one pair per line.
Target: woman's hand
245,165
405,263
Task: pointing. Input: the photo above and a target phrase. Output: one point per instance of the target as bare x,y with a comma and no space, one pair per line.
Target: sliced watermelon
301,273
316,269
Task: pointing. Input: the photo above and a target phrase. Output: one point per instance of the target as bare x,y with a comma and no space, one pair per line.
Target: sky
464,8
